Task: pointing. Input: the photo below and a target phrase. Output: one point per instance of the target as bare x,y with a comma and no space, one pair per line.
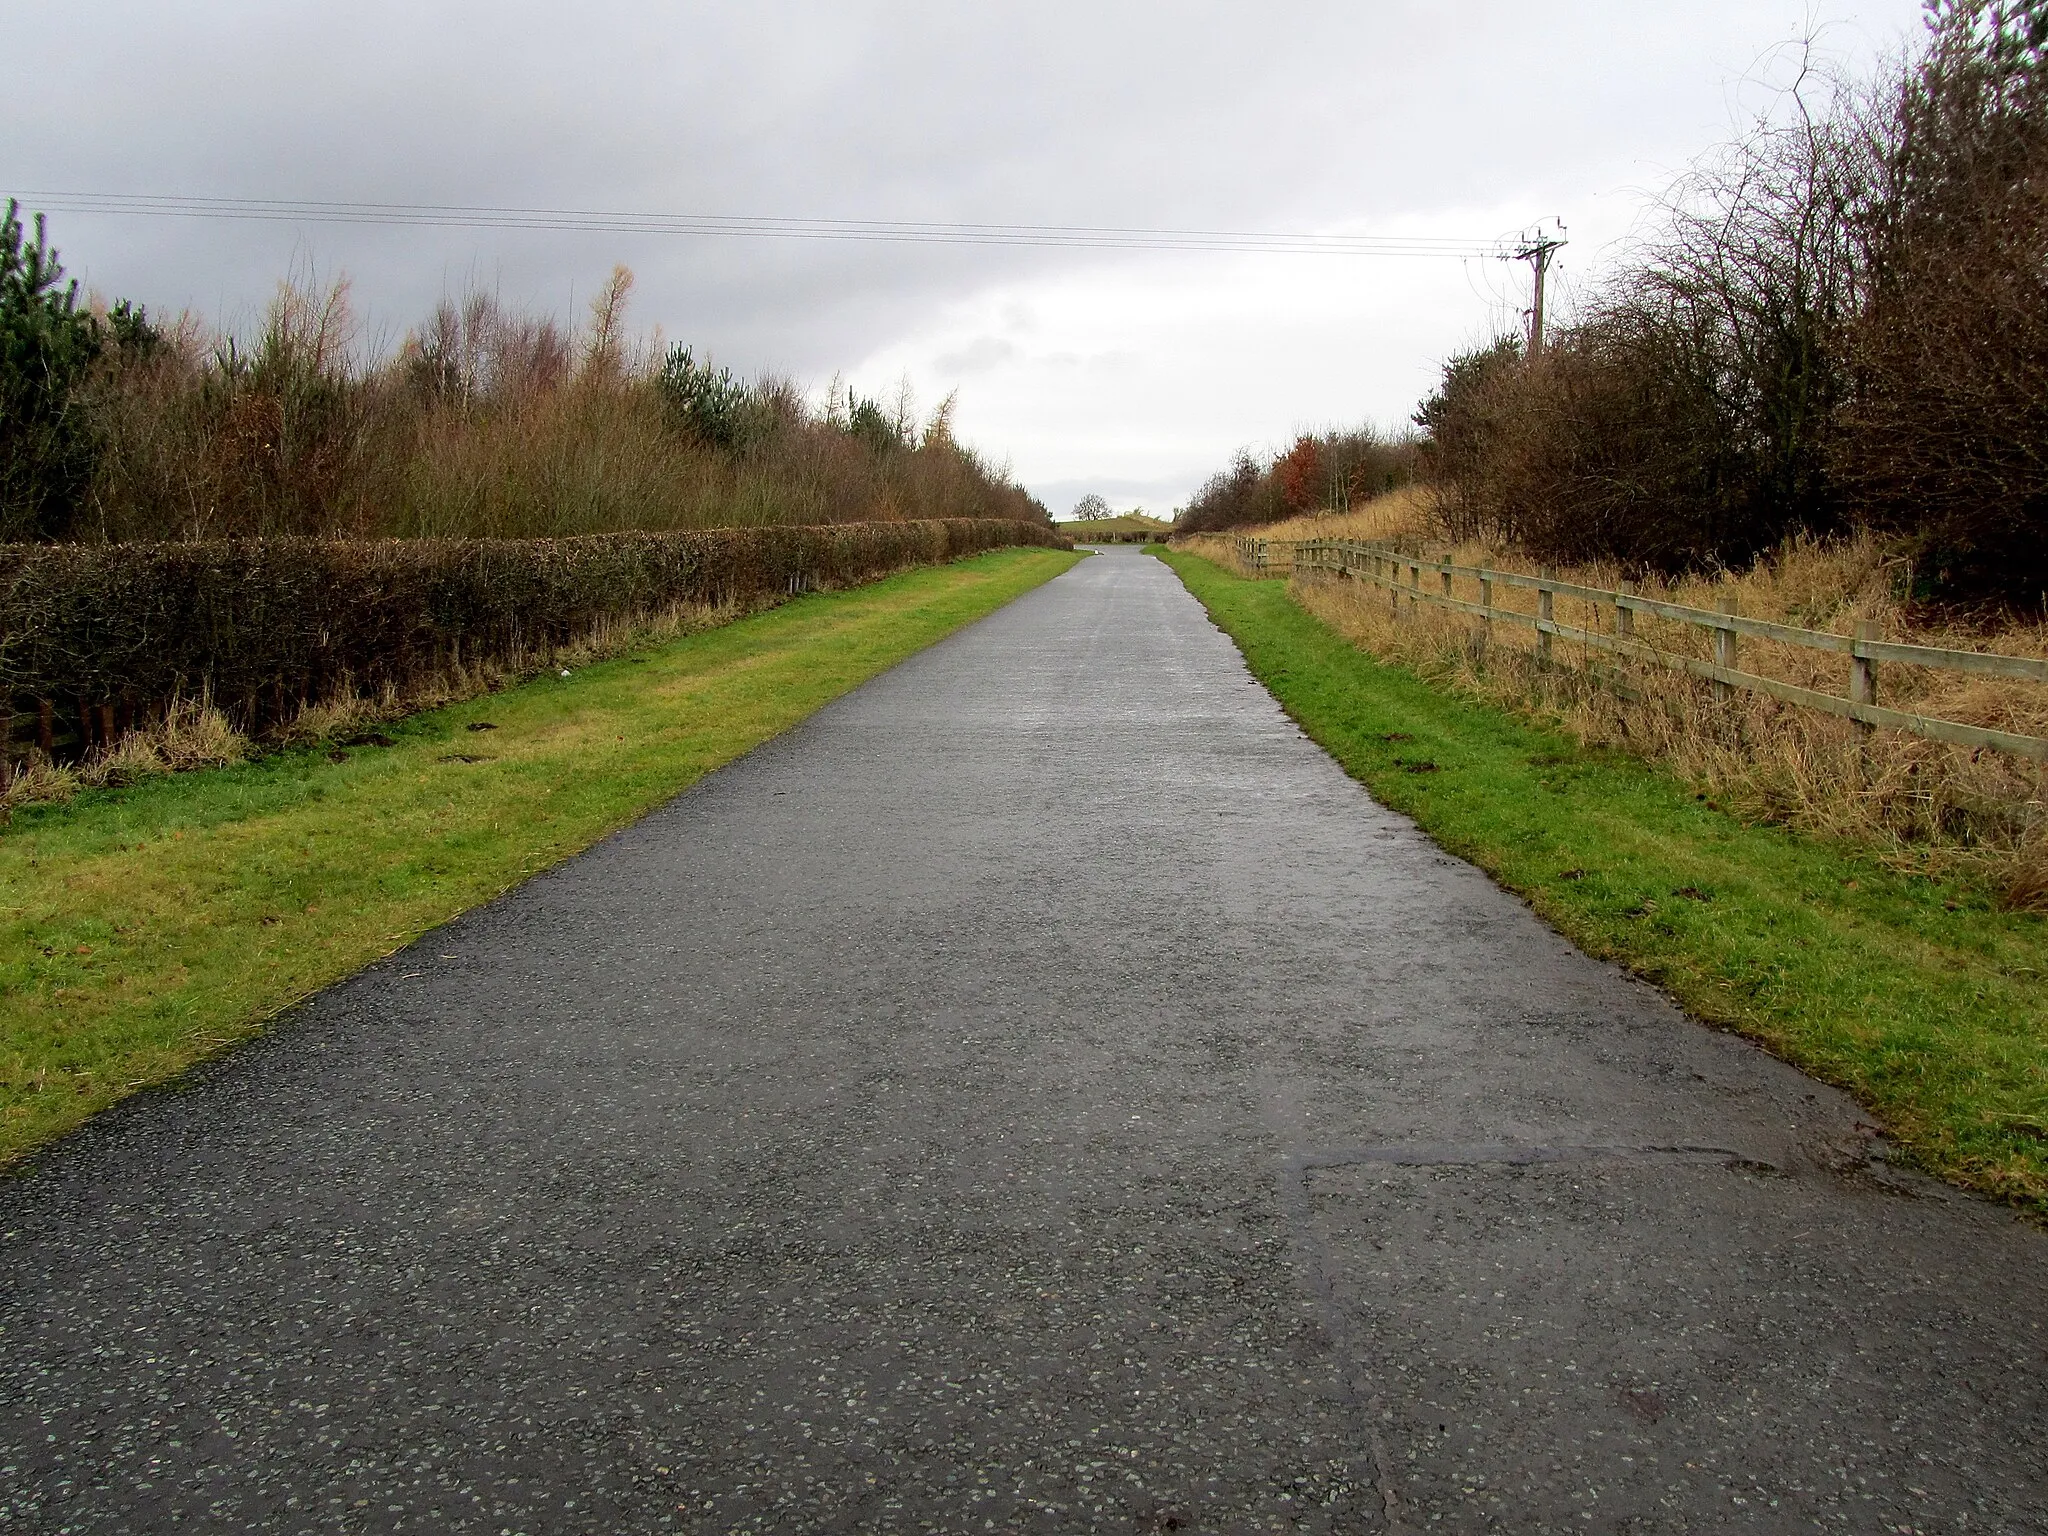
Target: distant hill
1130,528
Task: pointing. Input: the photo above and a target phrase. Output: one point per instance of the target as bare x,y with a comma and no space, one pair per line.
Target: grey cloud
978,356
1202,114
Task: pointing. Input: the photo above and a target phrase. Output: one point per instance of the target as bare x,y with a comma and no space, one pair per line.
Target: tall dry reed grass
485,423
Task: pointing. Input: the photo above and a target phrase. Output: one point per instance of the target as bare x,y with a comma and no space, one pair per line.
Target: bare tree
1092,509
1945,432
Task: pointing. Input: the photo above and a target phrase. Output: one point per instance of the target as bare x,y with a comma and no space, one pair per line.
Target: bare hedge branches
92,635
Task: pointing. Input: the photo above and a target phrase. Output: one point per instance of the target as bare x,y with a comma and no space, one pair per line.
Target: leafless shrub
1839,321
1683,420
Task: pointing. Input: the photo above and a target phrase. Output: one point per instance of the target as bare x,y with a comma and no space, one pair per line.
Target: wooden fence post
1863,676
1724,653
1625,618
1545,614
1486,602
1447,578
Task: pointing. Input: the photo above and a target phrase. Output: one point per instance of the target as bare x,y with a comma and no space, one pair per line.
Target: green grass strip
143,929
1920,998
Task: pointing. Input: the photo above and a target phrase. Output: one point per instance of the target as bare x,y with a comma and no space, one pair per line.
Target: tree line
1327,471
1837,322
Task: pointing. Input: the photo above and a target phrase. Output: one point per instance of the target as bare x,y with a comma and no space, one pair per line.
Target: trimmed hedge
98,635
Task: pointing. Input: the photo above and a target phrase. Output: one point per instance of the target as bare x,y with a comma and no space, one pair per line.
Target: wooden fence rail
1384,567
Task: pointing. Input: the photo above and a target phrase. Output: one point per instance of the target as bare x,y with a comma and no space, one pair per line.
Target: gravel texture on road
1041,1093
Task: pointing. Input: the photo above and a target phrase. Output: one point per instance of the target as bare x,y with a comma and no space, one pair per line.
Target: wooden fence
1385,567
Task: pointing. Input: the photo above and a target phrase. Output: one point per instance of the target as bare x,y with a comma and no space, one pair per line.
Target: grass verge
1920,997
142,929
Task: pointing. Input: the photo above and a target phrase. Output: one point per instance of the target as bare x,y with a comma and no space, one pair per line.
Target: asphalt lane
1039,1093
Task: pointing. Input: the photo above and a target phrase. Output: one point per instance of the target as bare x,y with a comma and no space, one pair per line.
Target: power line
461,216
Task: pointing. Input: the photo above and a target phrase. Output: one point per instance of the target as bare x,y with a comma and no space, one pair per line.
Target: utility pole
1537,251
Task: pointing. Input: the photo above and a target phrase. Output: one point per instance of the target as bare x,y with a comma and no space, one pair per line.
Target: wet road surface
1040,1093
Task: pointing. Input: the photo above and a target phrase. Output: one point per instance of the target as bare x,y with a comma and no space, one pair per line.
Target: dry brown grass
1926,804
349,711
1398,514
1404,514
192,734
1219,547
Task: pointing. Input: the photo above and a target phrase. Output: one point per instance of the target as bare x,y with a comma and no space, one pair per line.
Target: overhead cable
461,216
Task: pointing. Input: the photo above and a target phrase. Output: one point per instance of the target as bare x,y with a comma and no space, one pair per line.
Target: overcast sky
1135,374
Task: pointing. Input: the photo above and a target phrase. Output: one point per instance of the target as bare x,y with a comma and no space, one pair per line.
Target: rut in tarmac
1040,1093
